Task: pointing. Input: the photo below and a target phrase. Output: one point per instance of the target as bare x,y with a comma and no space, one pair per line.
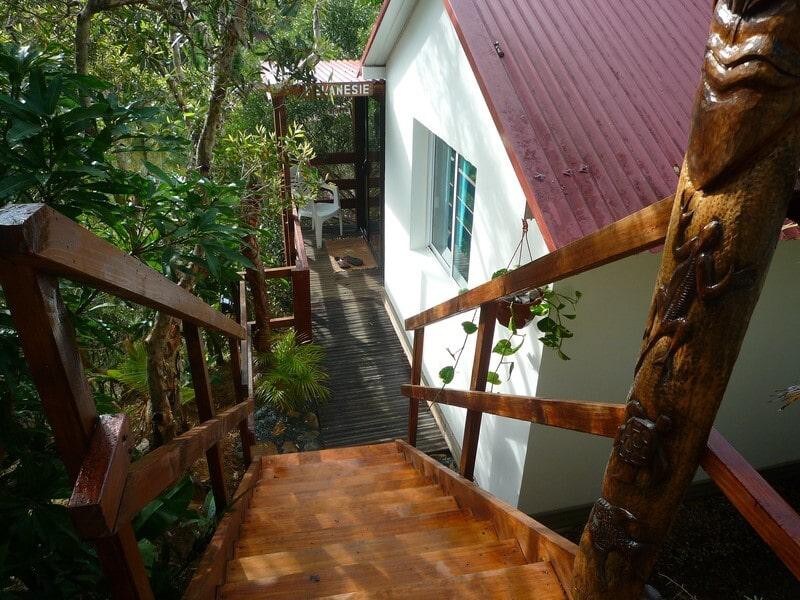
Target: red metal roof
593,100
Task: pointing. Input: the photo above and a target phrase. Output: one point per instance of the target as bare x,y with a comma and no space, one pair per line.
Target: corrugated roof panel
593,100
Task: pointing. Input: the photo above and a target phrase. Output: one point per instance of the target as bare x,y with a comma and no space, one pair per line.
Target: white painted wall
431,88
565,469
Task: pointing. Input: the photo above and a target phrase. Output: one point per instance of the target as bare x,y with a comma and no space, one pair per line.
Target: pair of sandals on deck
345,262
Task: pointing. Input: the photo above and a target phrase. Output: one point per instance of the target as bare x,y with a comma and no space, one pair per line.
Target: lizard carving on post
734,190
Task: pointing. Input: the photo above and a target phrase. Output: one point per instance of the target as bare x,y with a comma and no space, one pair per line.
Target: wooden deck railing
771,517
297,270
38,246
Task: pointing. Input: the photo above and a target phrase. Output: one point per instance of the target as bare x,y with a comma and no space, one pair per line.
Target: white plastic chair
318,212
327,211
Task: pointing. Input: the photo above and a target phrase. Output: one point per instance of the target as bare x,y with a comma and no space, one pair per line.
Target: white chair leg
318,232
341,229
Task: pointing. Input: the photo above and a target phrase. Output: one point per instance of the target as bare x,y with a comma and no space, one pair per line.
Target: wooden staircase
381,521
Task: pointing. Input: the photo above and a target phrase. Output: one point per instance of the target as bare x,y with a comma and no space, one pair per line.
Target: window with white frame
452,206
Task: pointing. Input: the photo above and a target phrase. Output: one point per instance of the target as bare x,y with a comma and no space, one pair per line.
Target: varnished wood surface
640,231
161,468
440,538
598,418
96,495
211,569
364,357
39,236
203,399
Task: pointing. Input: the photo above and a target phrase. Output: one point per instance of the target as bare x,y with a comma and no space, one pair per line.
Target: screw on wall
499,49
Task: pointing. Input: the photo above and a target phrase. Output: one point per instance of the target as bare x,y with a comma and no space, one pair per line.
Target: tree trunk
732,199
164,338
219,86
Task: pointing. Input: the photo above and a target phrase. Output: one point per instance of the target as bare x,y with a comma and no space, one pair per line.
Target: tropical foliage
146,123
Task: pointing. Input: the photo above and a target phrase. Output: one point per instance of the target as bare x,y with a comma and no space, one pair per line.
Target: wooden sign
362,88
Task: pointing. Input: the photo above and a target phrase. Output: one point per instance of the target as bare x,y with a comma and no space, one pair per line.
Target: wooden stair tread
322,502
281,521
383,521
535,581
255,536
328,454
350,488
343,553
375,574
342,478
332,469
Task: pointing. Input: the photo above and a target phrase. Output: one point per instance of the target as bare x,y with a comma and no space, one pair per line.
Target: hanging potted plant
516,312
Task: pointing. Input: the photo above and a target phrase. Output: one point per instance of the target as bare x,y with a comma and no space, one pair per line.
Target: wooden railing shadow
39,246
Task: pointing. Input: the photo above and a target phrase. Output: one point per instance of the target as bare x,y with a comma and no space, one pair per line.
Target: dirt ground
712,553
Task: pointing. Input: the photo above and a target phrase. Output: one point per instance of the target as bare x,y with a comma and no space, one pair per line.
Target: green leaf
505,348
22,130
13,184
469,327
493,378
499,273
447,374
541,309
547,325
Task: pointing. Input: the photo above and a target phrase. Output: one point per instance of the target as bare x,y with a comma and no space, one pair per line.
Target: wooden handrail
640,231
774,520
163,467
97,493
40,237
597,418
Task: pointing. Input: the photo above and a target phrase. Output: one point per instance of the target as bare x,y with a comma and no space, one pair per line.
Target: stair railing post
240,372
205,409
51,351
732,198
480,370
416,379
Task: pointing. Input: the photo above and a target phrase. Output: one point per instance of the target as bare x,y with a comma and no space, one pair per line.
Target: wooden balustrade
38,246
777,523
769,515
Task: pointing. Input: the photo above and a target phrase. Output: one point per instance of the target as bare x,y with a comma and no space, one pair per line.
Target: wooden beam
155,472
480,371
204,401
278,272
416,379
301,301
774,520
53,357
596,418
210,572
282,322
96,496
37,236
640,231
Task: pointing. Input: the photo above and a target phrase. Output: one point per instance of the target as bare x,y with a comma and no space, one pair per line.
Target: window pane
464,207
443,188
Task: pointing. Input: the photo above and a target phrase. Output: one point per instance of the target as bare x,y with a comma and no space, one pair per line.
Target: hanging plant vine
552,309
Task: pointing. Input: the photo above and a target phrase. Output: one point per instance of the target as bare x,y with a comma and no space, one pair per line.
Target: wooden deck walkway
364,357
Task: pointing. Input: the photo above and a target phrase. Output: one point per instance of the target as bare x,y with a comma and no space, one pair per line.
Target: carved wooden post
732,199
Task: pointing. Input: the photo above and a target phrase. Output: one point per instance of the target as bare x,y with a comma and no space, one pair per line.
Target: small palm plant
292,377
